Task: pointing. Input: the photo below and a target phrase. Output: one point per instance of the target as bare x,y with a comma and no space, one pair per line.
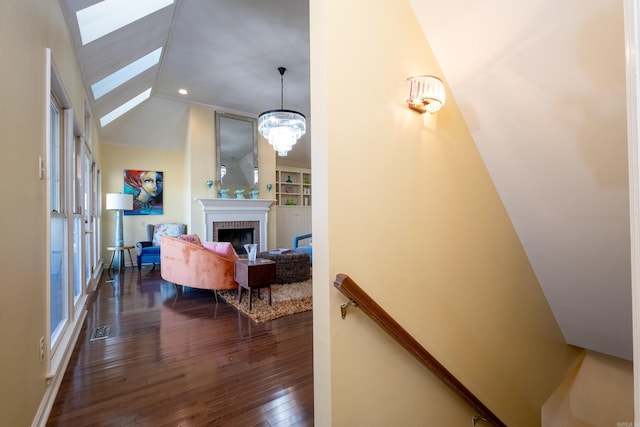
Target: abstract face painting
146,188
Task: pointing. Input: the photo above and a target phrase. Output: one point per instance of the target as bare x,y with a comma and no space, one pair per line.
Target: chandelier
282,128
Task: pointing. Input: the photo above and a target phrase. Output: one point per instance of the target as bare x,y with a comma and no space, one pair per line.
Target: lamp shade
119,201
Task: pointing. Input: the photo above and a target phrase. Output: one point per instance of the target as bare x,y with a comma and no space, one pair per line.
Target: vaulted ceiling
541,85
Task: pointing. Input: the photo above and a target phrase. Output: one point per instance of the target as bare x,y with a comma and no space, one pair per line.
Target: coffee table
254,275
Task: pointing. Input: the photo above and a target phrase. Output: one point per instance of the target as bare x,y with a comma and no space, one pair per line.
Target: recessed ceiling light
183,91
107,16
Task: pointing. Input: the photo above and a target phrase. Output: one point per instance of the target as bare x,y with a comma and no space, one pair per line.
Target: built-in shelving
293,187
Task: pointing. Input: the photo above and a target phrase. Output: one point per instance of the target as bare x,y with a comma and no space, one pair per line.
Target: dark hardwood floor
181,359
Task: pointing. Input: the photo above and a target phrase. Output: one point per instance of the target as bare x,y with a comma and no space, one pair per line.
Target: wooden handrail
372,309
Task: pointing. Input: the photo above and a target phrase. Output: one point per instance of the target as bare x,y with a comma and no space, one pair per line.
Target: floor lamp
119,202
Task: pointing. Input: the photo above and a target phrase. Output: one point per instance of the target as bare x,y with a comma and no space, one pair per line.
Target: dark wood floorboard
178,358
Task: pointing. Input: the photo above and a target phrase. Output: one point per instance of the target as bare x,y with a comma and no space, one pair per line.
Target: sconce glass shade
223,171
426,94
282,128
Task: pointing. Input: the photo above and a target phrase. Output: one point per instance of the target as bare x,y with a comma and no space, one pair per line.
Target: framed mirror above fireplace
236,153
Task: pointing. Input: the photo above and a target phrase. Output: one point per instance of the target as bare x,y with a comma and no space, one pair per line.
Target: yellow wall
457,278
115,159
27,28
201,157
597,393
185,174
267,171
403,203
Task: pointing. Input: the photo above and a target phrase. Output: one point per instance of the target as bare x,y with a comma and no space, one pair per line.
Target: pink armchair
196,266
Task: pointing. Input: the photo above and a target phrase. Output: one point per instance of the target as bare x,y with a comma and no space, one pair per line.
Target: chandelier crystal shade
282,128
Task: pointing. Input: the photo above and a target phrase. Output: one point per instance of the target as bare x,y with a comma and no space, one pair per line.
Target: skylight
108,118
125,74
107,16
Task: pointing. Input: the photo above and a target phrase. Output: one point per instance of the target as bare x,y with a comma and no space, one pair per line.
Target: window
58,301
67,156
106,16
55,156
124,74
108,118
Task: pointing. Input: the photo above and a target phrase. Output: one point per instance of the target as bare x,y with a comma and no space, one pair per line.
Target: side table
254,275
121,250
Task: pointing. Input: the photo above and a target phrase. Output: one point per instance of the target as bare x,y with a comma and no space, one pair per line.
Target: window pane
107,16
88,209
59,302
77,256
54,163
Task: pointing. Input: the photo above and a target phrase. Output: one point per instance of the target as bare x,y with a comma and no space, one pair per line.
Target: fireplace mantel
219,210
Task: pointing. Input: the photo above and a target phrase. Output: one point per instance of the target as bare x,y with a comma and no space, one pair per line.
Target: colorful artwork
146,188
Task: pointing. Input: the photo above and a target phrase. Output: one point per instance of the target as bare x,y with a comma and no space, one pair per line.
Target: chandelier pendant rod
282,70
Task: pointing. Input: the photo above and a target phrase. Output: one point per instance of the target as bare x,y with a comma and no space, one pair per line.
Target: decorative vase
252,250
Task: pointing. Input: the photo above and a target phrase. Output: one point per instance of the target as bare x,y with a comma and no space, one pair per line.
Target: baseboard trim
54,379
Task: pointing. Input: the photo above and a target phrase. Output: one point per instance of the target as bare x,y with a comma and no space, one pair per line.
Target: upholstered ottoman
291,266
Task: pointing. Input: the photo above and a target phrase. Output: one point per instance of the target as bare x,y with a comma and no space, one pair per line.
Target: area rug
286,299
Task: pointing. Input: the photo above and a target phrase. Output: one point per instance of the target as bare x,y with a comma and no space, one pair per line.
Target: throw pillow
191,238
166,229
222,248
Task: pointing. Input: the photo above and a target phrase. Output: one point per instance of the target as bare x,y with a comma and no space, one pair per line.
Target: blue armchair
308,248
149,250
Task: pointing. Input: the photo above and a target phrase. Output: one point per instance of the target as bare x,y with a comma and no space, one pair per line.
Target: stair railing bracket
345,307
477,418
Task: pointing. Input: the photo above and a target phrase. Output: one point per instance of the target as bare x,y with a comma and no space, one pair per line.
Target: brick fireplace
238,233
248,217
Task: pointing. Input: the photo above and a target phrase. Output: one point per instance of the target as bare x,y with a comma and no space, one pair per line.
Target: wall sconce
223,171
426,94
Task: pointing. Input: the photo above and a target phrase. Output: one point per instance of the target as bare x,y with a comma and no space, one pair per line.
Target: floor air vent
100,333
